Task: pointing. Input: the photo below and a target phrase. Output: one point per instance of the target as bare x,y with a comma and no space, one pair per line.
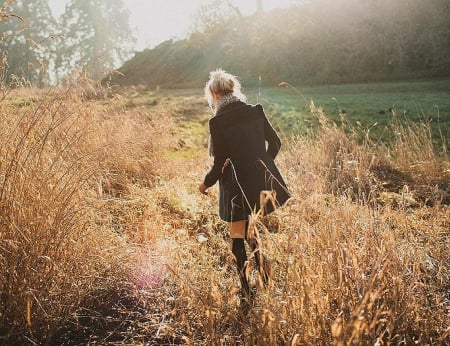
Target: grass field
373,106
105,239
364,103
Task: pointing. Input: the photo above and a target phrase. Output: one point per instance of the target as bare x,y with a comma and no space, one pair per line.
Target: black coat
243,164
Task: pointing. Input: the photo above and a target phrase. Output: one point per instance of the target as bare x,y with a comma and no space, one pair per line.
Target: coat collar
230,107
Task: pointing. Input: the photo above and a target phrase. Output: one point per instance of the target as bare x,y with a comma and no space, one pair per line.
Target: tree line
312,42
36,47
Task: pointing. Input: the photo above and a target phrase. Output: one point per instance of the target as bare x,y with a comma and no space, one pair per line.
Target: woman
243,164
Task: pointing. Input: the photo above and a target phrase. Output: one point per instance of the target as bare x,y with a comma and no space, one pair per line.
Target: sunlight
153,262
156,21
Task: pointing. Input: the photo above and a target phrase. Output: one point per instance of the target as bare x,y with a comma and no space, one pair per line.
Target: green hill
321,42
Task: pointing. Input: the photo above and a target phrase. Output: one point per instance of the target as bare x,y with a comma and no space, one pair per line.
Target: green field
367,104
373,106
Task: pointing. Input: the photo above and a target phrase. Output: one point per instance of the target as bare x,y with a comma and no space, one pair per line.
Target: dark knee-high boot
238,249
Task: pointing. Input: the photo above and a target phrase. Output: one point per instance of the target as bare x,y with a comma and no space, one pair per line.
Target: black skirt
247,188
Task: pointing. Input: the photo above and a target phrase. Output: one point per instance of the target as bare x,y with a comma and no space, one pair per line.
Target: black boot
238,249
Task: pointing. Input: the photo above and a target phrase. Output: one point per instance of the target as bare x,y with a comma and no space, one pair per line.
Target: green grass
370,105
367,104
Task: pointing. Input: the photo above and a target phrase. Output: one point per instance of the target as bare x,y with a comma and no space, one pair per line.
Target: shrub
61,160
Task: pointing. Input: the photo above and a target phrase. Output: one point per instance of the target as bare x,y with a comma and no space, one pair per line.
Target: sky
155,21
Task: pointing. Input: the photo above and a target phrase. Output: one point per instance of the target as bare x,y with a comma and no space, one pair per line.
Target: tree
27,30
312,42
97,36
259,6
210,16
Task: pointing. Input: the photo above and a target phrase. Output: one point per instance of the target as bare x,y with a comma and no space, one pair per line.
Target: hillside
320,42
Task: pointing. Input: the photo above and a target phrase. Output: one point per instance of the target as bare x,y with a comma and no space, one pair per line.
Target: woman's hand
202,188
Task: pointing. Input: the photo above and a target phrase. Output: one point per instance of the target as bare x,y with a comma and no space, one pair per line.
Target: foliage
27,28
314,42
37,49
97,36
214,14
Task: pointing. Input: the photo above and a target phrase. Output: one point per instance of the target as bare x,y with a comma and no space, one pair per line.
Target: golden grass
64,234
349,265
104,238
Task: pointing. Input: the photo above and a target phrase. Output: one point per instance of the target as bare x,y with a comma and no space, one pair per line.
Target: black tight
238,249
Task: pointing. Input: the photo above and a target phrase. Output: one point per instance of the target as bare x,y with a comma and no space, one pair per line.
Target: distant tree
97,36
259,6
312,42
26,43
211,15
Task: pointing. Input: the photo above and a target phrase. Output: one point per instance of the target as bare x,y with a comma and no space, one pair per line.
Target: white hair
222,83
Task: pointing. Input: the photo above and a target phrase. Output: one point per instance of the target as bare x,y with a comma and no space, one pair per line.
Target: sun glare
156,21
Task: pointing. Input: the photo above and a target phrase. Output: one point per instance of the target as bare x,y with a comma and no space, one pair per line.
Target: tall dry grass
66,237
105,239
360,256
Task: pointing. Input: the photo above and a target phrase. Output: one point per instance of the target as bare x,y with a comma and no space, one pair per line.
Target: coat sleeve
271,136
219,150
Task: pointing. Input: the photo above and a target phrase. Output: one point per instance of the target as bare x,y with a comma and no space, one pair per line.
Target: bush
61,161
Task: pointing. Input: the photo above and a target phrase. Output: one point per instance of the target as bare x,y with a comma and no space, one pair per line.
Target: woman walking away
243,165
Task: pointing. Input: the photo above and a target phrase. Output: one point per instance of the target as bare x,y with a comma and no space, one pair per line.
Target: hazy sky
155,21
